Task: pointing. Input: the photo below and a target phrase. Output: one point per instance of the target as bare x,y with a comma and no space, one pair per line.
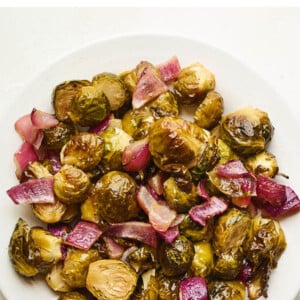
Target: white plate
239,86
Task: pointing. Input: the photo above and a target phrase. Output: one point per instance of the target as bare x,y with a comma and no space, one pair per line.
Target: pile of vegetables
140,203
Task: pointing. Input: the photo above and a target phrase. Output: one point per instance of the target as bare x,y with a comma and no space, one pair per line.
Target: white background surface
266,39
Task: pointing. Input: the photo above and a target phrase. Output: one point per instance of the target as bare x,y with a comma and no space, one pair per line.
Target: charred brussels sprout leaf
193,83
247,131
63,96
176,258
203,261
71,184
55,137
111,279
89,107
209,112
116,196
18,250
225,290
84,151
55,280
113,88
76,266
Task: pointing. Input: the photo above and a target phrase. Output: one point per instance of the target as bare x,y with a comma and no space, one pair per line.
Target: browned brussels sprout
72,296
55,137
203,261
225,290
18,250
84,151
263,163
193,83
209,112
63,96
176,258
76,266
37,169
116,197
168,287
71,184
231,230
265,241
55,280
113,88
177,198
111,279
89,107
194,231
247,131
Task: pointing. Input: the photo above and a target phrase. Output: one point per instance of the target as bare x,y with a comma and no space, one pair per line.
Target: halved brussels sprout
203,260
55,280
90,209
116,197
265,241
37,169
84,151
71,184
113,88
55,137
231,230
111,279
225,290
263,163
63,96
177,198
72,296
89,107
247,131
76,266
176,258
18,250
209,112
193,83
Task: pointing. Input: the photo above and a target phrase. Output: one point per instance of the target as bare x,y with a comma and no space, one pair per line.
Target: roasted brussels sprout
55,280
203,261
168,287
265,241
111,279
195,232
263,163
49,212
71,185
116,197
55,137
72,296
225,153
113,88
37,169
209,112
224,290
84,151
231,230
193,83
44,249
89,107
18,250
176,258
76,266
177,198
72,211
90,209
177,141
130,79
63,96
144,258
247,131
115,140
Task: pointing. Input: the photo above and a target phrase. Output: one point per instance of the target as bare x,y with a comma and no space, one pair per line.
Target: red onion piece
135,230
271,191
115,251
43,120
193,288
23,157
201,190
232,169
102,125
160,214
83,235
33,191
149,86
202,212
170,69
170,235
156,182
136,156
